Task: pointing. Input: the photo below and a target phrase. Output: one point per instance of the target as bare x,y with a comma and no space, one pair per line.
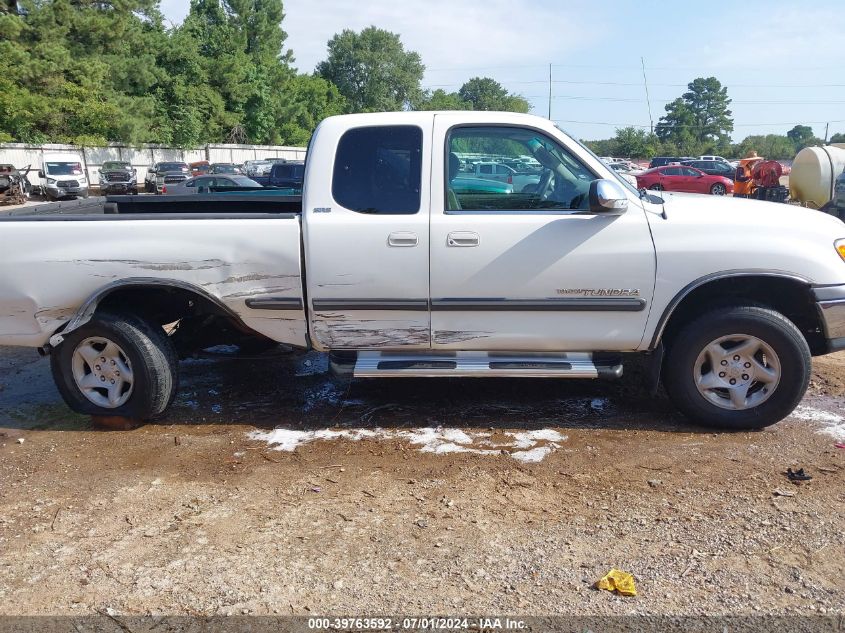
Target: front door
366,237
532,270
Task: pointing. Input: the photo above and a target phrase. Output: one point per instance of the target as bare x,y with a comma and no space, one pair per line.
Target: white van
62,175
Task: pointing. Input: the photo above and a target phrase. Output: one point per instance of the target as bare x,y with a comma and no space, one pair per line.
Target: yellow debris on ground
619,581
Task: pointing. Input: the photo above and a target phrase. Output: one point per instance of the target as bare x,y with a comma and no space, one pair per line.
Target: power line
617,67
638,100
693,126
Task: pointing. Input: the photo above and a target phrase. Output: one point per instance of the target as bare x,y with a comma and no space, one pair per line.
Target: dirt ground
193,515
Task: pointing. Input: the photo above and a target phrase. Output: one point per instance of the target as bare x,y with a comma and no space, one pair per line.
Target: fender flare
701,281
90,305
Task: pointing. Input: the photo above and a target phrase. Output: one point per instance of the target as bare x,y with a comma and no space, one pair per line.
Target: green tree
602,147
632,142
78,71
699,120
484,93
774,146
308,100
372,70
800,134
441,100
838,138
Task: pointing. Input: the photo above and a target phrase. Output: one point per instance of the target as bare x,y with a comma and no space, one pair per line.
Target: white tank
814,172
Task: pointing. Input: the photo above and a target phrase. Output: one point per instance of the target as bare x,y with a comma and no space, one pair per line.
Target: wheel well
790,297
193,320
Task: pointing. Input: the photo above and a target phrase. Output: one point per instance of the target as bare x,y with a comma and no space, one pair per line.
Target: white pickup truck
395,273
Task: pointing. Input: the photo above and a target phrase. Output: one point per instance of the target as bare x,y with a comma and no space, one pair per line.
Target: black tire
718,189
767,325
150,352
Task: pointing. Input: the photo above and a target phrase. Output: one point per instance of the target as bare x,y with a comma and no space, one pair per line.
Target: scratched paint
363,334
41,288
446,337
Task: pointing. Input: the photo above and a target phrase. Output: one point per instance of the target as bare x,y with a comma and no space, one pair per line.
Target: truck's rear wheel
116,365
742,367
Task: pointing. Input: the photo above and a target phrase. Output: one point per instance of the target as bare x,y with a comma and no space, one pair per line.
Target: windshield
224,169
173,167
115,166
64,169
296,172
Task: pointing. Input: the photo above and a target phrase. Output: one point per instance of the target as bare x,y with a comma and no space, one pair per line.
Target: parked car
62,176
469,184
712,167
709,157
200,167
625,167
521,181
257,167
209,182
289,175
683,178
660,161
165,173
726,300
118,177
224,168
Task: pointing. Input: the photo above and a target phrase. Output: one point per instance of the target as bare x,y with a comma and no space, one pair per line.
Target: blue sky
783,62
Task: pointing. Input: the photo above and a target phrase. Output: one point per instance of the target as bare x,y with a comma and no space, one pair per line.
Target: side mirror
607,198
134,172
40,173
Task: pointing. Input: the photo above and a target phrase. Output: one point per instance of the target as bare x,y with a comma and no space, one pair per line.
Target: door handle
402,238
462,239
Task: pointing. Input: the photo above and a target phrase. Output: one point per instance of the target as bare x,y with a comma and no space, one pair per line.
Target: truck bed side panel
50,268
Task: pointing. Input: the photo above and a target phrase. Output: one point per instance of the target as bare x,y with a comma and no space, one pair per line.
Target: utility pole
647,99
826,130
550,92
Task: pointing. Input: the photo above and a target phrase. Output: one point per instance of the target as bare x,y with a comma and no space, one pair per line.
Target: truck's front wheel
116,365
742,367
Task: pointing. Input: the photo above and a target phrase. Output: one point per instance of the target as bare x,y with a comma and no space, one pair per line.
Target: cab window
552,179
379,170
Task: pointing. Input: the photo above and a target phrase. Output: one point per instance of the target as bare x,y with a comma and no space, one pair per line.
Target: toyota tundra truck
394,272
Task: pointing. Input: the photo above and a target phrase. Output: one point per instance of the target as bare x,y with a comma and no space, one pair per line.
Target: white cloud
447,34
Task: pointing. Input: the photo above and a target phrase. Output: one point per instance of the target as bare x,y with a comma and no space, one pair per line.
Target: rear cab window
378,170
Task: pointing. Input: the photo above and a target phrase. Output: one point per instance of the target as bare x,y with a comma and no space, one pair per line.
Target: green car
470,184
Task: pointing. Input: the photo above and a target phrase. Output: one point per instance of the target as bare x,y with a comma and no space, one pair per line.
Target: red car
683,178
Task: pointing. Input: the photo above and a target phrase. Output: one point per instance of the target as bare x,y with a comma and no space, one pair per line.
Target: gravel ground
197,515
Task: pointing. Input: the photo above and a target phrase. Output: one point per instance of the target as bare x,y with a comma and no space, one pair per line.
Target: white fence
20,155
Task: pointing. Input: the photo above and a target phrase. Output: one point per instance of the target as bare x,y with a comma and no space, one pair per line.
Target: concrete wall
20,155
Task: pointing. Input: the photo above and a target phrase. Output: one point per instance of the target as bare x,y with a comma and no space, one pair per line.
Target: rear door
670,178
366,234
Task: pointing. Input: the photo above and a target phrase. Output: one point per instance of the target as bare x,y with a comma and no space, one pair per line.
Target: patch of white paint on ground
829,423
525,446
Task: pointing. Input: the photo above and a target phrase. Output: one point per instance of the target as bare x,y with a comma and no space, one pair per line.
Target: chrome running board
481,364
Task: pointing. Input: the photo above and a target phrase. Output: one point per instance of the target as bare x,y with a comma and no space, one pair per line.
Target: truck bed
244,254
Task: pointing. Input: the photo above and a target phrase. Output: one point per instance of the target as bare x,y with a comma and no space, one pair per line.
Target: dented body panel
52,269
